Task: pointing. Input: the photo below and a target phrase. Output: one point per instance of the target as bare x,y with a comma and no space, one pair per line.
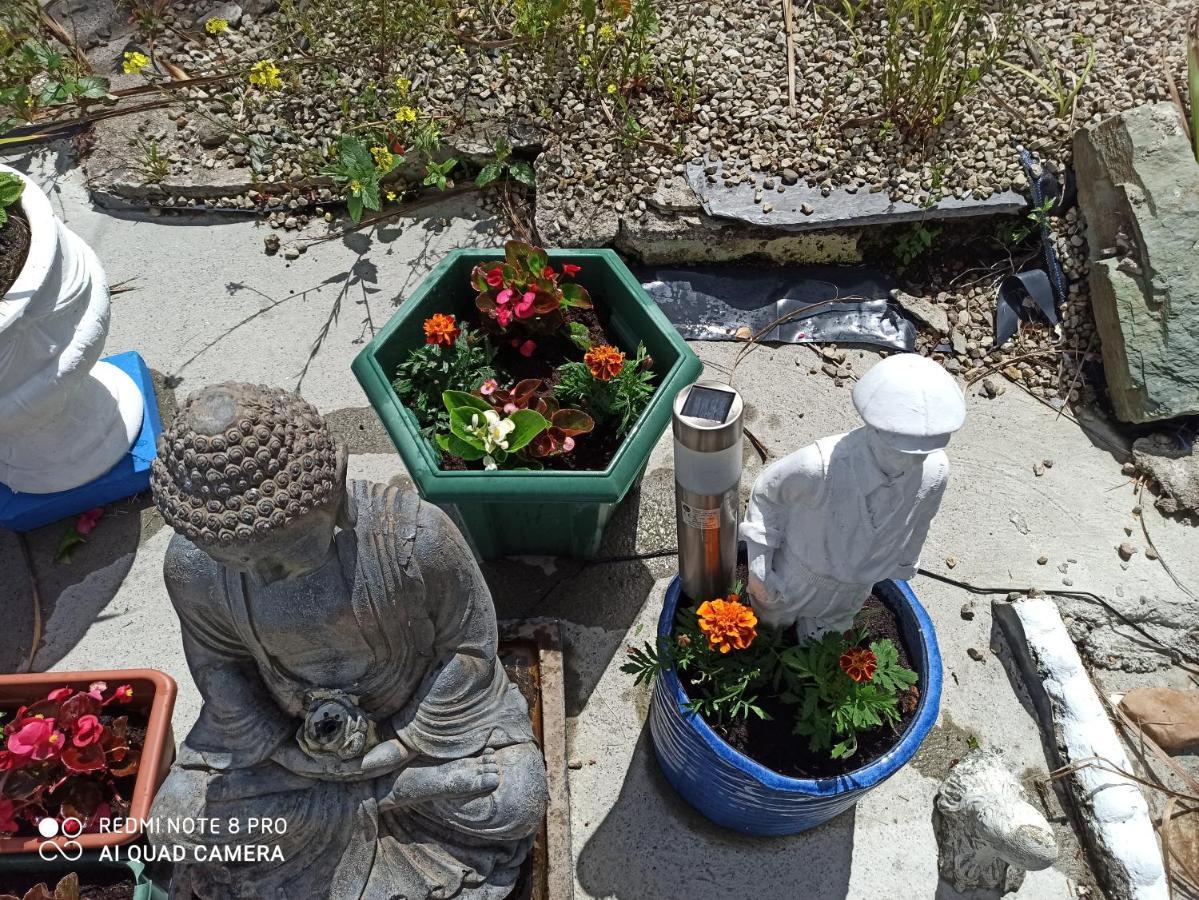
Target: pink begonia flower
36,739
568,444
96,689
88,520
509,408
61,693
123,694
524,309
503,315
527,348
502,298
488,387
88,730
8,821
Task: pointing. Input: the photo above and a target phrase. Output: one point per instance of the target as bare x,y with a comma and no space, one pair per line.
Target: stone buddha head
252,476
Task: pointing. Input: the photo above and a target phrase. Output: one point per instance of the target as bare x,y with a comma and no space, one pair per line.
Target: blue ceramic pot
734,791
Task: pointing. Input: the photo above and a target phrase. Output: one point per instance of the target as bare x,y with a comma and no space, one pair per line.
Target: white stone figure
827,522
65,417
988,834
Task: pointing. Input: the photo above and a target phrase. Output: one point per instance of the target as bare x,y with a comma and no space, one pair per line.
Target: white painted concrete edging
1111,808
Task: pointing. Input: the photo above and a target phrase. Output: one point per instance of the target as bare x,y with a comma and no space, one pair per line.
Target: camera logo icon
51,829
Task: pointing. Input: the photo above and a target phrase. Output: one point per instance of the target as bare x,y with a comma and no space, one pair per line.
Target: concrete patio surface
207,305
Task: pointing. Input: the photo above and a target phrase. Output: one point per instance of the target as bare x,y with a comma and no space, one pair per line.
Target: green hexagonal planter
512,513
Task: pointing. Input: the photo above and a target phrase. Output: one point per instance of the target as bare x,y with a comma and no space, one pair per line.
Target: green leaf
370,194
354,154
522,172
462,400
529,424
580,336
93,87
575,295
11,187
490,173
354,206
455,446
462,424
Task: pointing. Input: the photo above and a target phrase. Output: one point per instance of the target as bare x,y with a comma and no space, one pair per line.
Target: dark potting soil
96,884
14,247
771,741
593,451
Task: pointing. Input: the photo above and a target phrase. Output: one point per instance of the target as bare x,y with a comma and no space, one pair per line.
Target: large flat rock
1138,185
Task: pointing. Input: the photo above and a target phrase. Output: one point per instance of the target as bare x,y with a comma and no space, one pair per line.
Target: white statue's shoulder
799,474
936,471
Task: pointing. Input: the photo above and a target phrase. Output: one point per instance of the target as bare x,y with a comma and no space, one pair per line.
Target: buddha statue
343,641
827,522
65,417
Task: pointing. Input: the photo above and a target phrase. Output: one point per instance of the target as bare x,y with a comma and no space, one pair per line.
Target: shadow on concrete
946,891
76,594
597,600
653,846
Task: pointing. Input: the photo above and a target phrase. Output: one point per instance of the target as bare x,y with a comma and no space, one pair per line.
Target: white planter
65,417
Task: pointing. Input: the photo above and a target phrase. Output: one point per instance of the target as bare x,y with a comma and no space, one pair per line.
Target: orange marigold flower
441,329
604,361
858,663
729,624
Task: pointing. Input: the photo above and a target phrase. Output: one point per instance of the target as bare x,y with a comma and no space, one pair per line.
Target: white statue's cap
912,402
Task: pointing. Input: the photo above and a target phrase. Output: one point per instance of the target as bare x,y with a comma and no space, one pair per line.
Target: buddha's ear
347,514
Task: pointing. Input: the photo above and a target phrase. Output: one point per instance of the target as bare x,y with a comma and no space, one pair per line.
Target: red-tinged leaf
525,258
128,766
572,422
524,390
79,798
14,724
47,709
478,277
115,740
73,709
68,888
547,406
27,785
485,303
84,759
576,296
38,892
546,302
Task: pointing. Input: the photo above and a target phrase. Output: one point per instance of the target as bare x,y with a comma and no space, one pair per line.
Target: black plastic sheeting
848,305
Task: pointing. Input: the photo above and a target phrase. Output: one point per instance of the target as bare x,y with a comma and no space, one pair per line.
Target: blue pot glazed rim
929,669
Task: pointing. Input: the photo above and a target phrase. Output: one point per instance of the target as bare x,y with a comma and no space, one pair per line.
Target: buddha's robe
421,615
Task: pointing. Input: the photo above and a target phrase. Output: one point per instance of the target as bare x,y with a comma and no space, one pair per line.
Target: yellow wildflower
405,114
611,89
403,87
355,187
391,196
584,60
133,62
265,74
607,33
216,25
582,28
384,158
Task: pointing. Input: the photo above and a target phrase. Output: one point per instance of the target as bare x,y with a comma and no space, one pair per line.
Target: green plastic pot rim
441,486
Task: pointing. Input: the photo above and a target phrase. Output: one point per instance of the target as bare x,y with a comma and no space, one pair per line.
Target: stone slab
801,207
1138,187
131,474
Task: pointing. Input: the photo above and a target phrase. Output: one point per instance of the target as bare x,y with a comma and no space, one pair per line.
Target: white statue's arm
909,560
792,480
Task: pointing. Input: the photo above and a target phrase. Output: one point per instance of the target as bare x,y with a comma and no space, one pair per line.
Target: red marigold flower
495,277
441,330
571,269
604,362
527,348
729,624
36,739
88,730
858,663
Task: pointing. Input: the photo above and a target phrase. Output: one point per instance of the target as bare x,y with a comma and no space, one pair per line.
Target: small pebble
975,654
968,612
951,561
1150,553
575,764
1038,469
1042,560
1126,551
